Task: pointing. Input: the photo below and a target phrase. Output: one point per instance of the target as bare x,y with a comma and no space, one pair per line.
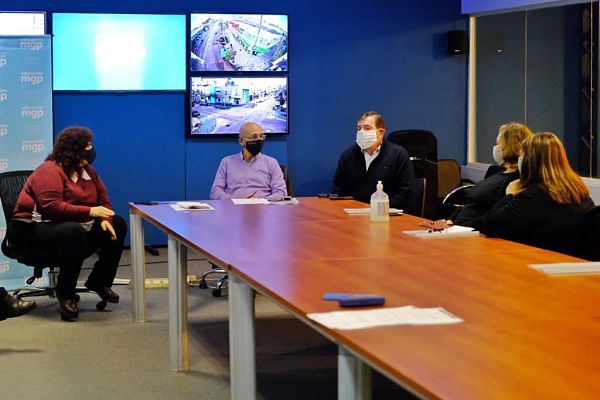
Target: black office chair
11,184
418,204
421,146
222,277
417,142
455,201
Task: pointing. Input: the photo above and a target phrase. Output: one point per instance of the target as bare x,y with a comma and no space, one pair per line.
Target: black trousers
67,244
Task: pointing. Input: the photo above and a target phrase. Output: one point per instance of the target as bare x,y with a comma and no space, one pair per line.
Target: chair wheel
216,292
101,305
202,285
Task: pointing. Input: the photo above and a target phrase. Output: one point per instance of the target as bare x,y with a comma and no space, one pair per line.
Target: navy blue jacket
392,166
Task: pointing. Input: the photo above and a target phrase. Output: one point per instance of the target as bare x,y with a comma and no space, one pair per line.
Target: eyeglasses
253,138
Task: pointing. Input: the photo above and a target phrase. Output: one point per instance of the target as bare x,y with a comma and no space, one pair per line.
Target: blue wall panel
346,57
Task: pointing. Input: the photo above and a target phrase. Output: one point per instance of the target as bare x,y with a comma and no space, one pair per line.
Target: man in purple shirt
249,173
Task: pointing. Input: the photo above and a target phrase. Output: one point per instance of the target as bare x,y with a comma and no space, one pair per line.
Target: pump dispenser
380,205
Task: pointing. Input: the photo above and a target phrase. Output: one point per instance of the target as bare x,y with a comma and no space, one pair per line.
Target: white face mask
520,163
366,139
497,154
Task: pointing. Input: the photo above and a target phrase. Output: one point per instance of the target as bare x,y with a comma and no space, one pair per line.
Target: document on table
367,211
455,230
191,206
249,201
291,202
407,315
568,268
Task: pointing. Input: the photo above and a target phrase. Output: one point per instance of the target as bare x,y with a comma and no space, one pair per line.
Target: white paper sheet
407,315
191,206
249,201
568,268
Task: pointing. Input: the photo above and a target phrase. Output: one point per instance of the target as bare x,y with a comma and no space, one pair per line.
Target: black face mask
255,146
89,155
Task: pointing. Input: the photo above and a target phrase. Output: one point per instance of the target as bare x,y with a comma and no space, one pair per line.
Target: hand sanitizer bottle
380,205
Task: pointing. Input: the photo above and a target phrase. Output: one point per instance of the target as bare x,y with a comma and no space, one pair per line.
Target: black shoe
105,292
11,306
68,307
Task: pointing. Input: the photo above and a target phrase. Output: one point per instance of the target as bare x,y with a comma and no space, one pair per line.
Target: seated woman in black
546,207
482,196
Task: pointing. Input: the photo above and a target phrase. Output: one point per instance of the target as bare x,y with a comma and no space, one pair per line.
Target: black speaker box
457,42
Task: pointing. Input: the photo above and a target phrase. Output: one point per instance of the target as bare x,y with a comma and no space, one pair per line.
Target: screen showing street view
238,42
222,105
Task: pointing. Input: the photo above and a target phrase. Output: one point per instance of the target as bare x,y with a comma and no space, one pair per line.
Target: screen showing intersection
221,104
238,42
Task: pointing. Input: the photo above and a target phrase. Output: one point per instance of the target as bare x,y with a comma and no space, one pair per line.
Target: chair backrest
428,170
417,142
419,195
448,177
286,178
11,184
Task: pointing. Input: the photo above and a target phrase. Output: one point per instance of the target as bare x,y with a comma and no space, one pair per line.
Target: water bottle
380,205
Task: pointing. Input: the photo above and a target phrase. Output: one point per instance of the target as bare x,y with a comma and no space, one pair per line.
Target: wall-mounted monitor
119,52
221,105
238,42
22,23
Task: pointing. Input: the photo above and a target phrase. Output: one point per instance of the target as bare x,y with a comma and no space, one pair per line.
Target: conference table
524,335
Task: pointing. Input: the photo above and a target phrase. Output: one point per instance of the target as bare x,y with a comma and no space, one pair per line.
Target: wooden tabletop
524,335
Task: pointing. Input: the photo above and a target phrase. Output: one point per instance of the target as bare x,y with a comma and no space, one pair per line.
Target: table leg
178,315
242,351
354,377
138,268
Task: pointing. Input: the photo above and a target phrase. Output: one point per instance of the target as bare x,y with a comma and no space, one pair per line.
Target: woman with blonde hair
546,206
481,197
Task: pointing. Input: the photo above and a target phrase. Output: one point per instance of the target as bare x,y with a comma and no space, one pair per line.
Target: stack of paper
367,211
455,230
568,268
407,315
191,205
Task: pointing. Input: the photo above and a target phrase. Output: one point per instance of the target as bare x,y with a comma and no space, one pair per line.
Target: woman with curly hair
64,211
547,205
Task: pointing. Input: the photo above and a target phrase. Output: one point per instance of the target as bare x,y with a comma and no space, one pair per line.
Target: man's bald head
251,130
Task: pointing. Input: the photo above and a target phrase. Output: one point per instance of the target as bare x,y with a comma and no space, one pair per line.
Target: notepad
455,230
568,268
407,315
191,206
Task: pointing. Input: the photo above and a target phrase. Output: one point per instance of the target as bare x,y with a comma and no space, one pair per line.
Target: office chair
421,146
418,204
11,184
221,282
455,200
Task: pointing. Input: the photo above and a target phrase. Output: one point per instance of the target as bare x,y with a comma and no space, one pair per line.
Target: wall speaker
457,42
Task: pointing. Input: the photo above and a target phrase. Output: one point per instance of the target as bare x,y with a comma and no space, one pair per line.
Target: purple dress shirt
237,178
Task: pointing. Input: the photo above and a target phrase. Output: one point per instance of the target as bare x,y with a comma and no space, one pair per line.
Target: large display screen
221,105
23,23
238,42
119,51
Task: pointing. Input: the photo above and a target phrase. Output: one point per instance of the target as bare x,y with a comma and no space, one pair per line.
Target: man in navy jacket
373,159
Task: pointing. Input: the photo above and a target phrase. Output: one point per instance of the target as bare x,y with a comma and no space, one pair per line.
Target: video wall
233,67
238,73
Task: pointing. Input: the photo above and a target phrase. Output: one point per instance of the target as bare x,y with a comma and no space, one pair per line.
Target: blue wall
346,57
